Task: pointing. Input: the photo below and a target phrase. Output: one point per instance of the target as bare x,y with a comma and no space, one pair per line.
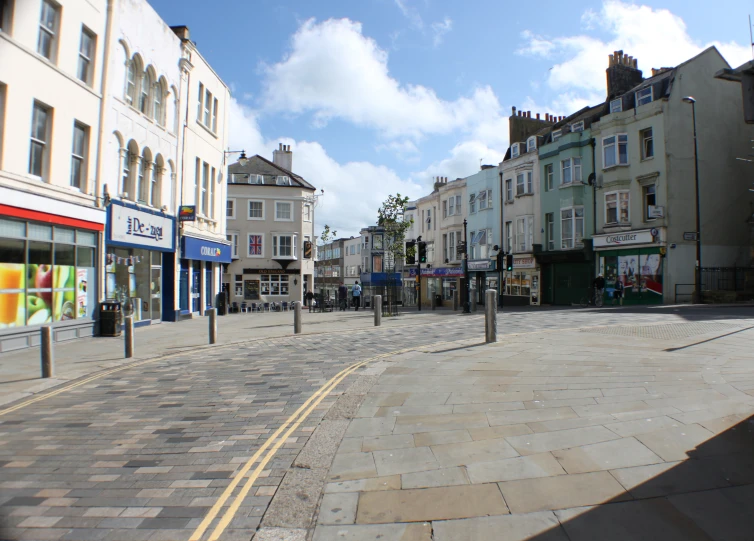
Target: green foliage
391,216
327,235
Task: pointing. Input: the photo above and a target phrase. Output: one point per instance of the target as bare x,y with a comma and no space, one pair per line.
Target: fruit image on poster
64,302
12,303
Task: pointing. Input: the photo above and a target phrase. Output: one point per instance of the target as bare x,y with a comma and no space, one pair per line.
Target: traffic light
509,262
307,249
411,252
422,252
500,258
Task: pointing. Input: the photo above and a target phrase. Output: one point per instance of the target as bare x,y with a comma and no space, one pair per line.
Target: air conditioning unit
655,211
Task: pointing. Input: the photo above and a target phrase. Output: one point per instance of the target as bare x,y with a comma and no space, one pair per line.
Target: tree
327,235
391,217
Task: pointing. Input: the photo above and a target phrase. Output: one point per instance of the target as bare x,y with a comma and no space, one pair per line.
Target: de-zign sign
136,227
622,239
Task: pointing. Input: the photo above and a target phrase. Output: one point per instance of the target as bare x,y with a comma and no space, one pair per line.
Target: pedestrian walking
356,292
309,298
343,297
619,291
599,287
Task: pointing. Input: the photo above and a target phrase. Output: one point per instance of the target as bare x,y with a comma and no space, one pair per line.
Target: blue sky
378,96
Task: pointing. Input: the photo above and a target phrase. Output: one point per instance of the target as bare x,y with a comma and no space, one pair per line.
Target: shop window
238,285
274,284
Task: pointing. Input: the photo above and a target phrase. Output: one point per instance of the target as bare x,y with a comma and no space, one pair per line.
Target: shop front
484,276
271,286
565,276
442,281
140,262
634,258
48,273
522,283
200,272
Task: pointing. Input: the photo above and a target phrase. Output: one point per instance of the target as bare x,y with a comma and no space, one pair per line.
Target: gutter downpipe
593,142
501,245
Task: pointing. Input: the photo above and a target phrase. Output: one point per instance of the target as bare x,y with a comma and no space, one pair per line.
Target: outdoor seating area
249,307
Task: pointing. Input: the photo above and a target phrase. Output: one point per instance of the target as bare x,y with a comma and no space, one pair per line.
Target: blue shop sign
204,250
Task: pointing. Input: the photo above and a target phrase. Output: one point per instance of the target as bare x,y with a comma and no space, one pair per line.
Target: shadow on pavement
709,496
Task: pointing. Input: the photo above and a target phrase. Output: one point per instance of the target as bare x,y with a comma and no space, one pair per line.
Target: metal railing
725,278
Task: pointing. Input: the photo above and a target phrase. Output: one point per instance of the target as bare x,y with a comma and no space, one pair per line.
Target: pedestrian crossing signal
307,249
422,252
509,262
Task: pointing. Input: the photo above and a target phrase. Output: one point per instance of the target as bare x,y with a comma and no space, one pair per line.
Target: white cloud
333,71
464,160
439,29
405,150
656,37
410,13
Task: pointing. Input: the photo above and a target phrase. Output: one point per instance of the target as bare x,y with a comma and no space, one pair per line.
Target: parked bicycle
592,298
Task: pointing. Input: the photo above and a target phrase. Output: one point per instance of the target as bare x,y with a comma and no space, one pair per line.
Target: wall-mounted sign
689,236
128,226
624,238
277,271
524,262
187,213
655,212
204,250
482,265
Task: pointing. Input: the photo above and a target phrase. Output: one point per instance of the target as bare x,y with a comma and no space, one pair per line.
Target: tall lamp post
467,303
698,270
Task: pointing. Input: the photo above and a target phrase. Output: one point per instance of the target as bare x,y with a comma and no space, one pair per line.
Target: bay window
615,150
482,199
284,246
571,227
570,170
524,233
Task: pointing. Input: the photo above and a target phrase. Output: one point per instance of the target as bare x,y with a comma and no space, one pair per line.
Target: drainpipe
502,245
593,142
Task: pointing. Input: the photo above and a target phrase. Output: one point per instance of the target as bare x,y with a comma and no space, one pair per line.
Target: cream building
270,212
51,218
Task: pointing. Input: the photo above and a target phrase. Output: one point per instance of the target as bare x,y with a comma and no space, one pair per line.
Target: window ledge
571,184
208,130
616,166
617,225
525,195
509,202
648,159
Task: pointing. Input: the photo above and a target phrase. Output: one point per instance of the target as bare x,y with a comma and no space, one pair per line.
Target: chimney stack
622,74
283,157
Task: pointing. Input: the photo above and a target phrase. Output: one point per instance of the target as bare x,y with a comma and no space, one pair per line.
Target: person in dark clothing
343,297
309,298
619,291
599,285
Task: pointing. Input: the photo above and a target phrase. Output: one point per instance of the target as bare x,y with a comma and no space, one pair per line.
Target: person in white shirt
356,292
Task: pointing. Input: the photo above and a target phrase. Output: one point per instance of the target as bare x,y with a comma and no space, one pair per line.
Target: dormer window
239,178
556,135
256,179
514,150
644,96
578,126
283,181
616,106
531,143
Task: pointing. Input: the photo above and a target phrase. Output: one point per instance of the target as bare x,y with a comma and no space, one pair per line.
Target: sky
377,97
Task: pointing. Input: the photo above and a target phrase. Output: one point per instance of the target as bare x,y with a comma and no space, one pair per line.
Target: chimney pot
514,110
537,116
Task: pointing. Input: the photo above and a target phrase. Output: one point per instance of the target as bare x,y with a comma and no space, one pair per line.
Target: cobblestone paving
668,331
142,454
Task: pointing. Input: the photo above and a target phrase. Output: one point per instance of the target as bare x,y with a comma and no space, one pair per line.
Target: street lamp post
698,270
418,275
467,303
242,159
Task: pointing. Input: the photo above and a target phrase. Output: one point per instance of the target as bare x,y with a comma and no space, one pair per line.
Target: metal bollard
212,313
377,310
455,300
297,317
129,336
490,316
48,365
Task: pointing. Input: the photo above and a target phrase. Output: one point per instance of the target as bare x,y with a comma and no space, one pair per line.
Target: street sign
459,249
187,213
689,236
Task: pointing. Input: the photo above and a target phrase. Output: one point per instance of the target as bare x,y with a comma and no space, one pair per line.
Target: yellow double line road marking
311,403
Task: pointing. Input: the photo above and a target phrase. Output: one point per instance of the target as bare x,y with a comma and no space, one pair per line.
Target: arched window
142,178
146,87
157,97
130,81
126,170
156,185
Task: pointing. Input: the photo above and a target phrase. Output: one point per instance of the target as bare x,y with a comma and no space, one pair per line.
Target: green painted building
566,161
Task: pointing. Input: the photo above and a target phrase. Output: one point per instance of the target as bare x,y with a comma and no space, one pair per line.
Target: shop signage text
139,228
271,271
205,250
621,239
482,265
523,262
442,271
187,213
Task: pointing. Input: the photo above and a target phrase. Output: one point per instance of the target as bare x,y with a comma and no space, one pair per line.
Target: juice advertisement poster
12,297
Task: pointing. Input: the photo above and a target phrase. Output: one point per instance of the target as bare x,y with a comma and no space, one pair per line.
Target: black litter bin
220,304
110,315
438,300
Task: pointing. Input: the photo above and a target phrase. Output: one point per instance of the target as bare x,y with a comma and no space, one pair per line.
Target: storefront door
183,286
156,286
196,285
208,285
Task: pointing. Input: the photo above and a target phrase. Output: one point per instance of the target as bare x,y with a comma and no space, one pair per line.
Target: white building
351,261
51,219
